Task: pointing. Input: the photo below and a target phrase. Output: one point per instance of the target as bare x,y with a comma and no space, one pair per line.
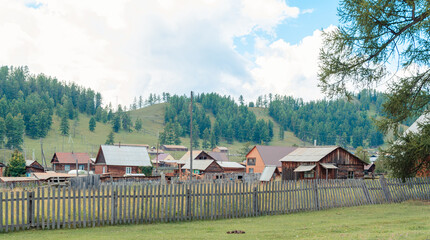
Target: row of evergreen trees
28,103
232,121
341,122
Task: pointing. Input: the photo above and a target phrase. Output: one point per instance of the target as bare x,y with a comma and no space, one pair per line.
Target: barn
321,163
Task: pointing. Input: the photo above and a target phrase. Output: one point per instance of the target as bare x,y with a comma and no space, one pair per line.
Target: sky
125,49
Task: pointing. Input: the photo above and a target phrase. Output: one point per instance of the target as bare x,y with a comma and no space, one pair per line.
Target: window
127,170
196,171
251,161
104,169
310,174
350,174
82,167
66,168
251,170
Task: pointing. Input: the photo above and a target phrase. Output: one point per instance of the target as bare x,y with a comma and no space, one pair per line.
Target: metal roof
186,156
125,156
304,168
267,173
311,154
272,154
230,165
28,162
219,156
198,164
415,128
328,165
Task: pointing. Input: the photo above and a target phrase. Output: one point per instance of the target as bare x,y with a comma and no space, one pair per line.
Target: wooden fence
66,207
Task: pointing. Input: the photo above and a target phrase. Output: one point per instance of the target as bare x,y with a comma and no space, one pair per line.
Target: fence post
315,188
385,188
255,202
188,203
30,209
114,205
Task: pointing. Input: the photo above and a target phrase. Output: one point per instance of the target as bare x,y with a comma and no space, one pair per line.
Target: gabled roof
196,154
415,128
230,165
124,156
175,146
309,154
33,163
199,164
219,156
222,148
272,154
162,156
70,157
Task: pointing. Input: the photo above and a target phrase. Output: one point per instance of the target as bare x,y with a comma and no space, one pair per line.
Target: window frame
67,167
81,167
128,170
307,174
251,164
349,175
250,170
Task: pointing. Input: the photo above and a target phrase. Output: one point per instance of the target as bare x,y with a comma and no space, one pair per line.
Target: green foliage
110,139
281,133
16,165
116,125
171,134
64,126
2,130
138,124
92,124
14,131
206,136
409,154
362,154
146,170
126,122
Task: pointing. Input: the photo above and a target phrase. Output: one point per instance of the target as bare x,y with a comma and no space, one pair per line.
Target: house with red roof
66,161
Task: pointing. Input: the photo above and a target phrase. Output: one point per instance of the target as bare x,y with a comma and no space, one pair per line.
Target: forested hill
28,102
329,122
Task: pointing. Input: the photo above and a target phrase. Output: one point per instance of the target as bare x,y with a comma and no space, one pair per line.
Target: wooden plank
1,212
6,208
84,206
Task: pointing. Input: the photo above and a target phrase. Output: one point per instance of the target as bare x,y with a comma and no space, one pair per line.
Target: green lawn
409,220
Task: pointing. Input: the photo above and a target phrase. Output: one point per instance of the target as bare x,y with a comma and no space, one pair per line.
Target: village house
261,156
321,163
32,166
220,158
220,149
232,167
174,148
120,161
66,161
203,166
164,160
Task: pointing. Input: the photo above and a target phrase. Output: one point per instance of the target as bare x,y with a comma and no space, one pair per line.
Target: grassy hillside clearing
408,220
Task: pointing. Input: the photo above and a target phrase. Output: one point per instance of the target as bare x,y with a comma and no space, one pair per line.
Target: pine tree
281,133
110,139
206,136
92,124
16,166
2,131
138,124
14,131
64,126
140,102
213,140
116,125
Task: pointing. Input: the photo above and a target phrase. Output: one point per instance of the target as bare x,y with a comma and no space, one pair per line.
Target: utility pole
156,156
191,137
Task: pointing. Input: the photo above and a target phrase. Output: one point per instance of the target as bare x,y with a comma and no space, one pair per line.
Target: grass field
408,220
83,140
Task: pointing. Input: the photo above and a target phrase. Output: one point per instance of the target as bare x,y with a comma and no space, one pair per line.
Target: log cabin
119,161
32,166
321,163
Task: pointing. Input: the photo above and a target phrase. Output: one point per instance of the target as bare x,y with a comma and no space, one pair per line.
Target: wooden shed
321,163
32,166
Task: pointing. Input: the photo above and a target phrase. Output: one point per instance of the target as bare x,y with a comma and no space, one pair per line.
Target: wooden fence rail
67,207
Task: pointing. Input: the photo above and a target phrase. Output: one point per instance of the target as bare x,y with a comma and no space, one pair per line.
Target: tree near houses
16,166
205,140
92,124
362,154
110,139
371,35
64,126
116,125
138,124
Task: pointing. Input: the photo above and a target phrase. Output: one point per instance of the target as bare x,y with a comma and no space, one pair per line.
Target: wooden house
32,166
174,148
121,160
261,156
203,166
219,156
164,160
321,163
369,169
66,161
220,149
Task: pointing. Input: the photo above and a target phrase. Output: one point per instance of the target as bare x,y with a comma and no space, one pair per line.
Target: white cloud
130,48
282,68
